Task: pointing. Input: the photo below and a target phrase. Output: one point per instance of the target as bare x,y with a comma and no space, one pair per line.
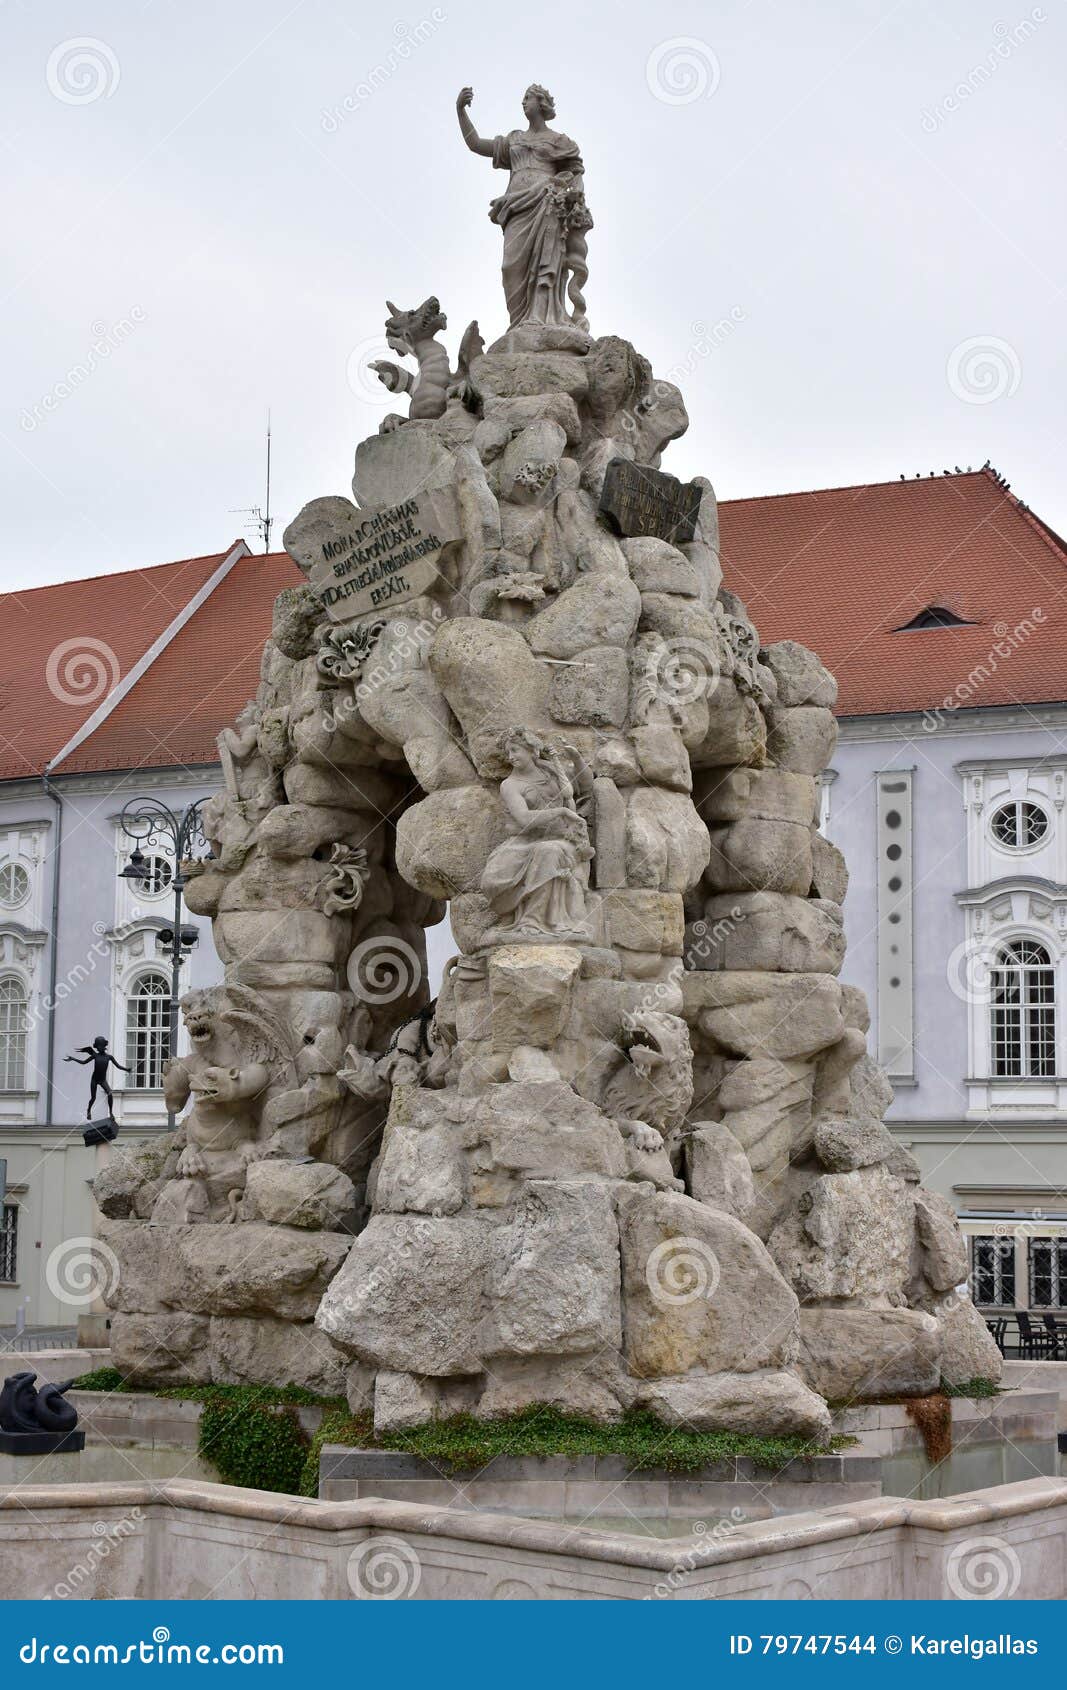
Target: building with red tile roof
846,570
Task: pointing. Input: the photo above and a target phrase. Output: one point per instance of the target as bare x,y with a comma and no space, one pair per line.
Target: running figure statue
98,1054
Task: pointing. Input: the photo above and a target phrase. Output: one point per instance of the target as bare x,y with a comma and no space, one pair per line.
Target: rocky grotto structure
633,1153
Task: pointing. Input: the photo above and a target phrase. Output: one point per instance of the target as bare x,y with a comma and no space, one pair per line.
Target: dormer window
934,616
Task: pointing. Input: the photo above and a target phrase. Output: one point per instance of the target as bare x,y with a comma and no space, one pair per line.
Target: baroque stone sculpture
535,880
414,333
543,213
633,1153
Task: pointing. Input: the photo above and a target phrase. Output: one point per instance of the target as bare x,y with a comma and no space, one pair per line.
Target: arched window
1023,1012
13,1030
147,1031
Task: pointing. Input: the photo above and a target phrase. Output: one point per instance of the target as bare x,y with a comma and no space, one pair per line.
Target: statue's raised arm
543,214
467,129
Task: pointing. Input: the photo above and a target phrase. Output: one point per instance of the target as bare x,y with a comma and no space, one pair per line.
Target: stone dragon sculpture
414,334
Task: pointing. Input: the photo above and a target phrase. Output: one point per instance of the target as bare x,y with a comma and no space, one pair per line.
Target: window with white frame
158,875
14,886
14,1026
1019,824
147,1031
1048,1273
1023,1012
9,1244
993,1272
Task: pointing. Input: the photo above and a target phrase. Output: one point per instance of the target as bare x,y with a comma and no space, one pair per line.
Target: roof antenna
267,519
262,521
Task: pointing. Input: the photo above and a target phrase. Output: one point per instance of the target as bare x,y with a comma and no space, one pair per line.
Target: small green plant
251,1435
337,1426
101,1379
465,1444
972,1388
110,1379
642,1439
252,1440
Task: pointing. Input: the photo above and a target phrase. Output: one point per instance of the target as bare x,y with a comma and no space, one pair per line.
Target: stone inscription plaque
360,560
638,500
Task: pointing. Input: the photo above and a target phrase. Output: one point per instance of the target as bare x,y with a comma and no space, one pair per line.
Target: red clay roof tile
63,647
199,682
839,570
842,569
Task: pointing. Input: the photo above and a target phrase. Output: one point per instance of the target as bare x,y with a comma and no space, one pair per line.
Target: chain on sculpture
633,1152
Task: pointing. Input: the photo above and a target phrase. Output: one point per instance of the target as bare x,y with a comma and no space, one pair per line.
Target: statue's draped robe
533,882
535,238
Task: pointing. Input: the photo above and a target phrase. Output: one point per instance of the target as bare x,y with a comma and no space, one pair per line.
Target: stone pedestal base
41,1443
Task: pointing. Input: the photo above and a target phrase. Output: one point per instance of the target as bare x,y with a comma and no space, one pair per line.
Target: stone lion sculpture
240,1052
652,1088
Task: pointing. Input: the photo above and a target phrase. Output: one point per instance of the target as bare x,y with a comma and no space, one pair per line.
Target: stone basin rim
1001,1502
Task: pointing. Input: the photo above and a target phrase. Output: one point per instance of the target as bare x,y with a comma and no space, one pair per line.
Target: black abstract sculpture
37,1420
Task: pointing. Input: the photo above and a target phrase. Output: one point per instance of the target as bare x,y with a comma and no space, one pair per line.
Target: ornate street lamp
148,821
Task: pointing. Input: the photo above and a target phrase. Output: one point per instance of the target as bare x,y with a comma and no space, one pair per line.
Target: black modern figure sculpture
98,1054
37,1420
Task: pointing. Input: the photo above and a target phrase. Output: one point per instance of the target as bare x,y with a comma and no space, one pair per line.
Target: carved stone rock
869,1355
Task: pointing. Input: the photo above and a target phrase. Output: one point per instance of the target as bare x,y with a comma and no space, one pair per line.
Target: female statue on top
543,214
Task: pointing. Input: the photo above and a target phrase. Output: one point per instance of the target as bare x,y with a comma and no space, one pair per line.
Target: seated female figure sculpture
536,880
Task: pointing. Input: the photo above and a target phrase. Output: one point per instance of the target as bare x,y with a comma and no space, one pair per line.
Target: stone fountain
633,1152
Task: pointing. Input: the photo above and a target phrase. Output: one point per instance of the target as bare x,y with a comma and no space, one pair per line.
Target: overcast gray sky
839,227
